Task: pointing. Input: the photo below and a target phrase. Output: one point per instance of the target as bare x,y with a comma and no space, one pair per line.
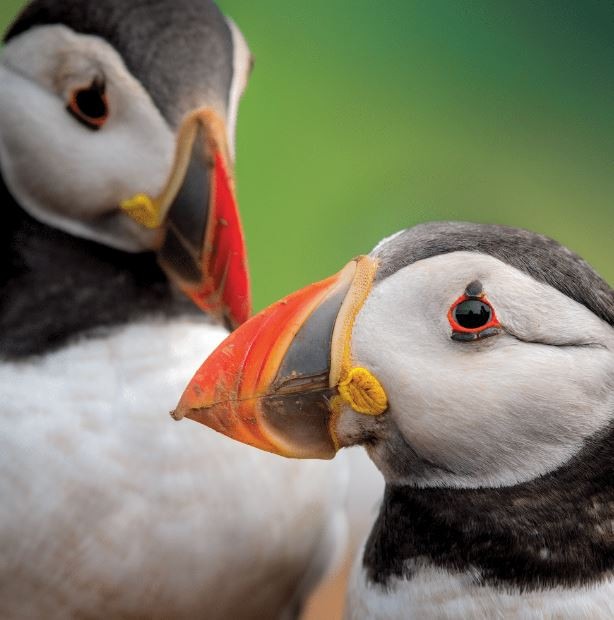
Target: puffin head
117,124
458,354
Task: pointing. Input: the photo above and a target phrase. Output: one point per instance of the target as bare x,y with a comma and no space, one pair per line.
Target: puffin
122,259
475,365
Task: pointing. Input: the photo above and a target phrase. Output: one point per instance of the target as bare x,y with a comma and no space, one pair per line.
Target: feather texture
109,508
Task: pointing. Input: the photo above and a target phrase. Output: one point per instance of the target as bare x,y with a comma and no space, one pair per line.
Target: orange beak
273,383
203,248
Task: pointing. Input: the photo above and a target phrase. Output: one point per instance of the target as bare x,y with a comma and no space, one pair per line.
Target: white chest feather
438,595
108,507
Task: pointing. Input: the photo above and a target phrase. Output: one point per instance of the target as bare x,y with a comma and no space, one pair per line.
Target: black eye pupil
91,103
472,314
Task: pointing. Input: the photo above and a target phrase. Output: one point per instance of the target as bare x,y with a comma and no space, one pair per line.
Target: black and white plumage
497,454
475,364
107,508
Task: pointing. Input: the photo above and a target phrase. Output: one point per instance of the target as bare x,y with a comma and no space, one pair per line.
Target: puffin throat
553,531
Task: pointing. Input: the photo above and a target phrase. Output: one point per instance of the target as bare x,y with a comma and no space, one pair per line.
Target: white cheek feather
434,593
69,188
109,508
495,412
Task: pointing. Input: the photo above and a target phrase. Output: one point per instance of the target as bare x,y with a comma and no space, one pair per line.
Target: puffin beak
279,381
202,244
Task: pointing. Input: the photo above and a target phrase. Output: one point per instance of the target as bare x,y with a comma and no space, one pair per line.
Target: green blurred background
365,117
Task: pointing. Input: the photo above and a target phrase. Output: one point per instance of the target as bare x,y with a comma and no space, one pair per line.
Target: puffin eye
89,105
472,318
472,313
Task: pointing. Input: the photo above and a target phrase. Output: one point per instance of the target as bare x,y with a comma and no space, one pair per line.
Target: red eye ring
473,328
89,105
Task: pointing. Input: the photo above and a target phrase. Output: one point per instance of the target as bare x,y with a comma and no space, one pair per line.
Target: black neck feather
55,287
557,530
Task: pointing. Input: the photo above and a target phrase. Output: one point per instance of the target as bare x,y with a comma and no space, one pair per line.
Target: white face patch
61,172
493,412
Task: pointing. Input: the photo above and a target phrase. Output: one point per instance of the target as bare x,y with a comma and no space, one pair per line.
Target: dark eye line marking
470,337
562,345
